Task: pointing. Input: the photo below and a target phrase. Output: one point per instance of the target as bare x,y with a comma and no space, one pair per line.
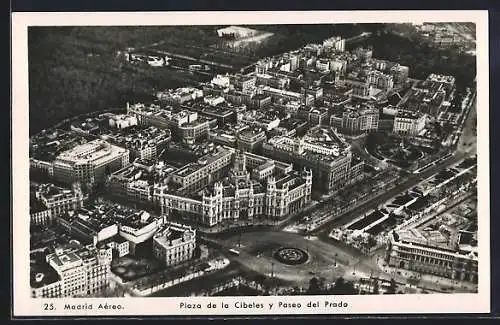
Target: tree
392,287
375,287
314,287
371,242
343,287
259,278
197,252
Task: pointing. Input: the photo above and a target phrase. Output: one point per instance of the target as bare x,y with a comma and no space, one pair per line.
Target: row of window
426,253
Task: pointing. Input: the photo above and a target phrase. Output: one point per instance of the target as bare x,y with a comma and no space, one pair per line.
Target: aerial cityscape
177,161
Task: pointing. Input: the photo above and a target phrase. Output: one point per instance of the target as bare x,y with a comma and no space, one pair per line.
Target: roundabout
291,256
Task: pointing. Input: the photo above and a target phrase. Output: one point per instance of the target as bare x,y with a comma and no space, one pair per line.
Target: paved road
372,266
463,151
257,249
374,202
468,134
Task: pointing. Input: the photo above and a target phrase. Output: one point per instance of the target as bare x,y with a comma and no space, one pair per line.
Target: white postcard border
23,305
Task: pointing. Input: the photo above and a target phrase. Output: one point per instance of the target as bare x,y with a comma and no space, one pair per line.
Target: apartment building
251,139
174,244
77,271
89,163
330,162
409,123
59,200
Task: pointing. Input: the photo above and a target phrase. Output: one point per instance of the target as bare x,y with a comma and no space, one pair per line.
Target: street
466,147
256,251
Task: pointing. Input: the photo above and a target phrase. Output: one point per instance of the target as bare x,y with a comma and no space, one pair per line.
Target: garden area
394,150
129,268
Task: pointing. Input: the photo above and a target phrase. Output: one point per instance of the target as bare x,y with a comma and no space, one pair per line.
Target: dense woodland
76,70
401,43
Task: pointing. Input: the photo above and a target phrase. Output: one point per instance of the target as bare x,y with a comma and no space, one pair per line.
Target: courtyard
129,268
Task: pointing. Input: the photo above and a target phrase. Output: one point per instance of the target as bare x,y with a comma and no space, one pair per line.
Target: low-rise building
361,88
243,83
409,123
265,120
251,139
86,227
364,54
223,112
356,119
119,245
138,227
260,101
179,95
209,168
224,137
59,200
323,65
336,42
281,94
39,214
195,128
236,32
144,144
272,81
380,80
174,244
122,121
134,183
151,115
399,74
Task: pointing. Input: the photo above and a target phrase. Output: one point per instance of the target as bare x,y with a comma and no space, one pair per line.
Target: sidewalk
350,207
427,281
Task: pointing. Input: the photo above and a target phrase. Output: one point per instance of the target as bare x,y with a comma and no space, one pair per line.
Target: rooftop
41,273
50,191
173,232
135,138
251,132
219,110
94,151
408,114
432,238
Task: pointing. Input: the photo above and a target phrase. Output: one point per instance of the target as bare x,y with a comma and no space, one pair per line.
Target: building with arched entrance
407,249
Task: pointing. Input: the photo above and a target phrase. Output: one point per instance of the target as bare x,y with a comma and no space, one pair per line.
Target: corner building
273,191
79,271
330,165
174,244
90,162
406,251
